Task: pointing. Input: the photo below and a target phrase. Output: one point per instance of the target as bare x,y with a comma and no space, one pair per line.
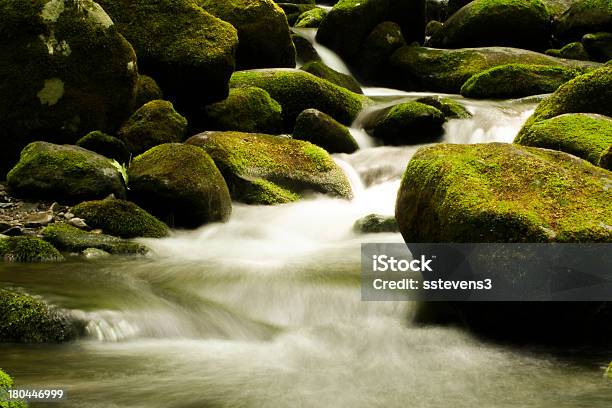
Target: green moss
179,184
517,80
311,18
64,173
147,90
25,319
263,32
503,193
293,166
28,249
410,123
583,135
297,91
575,51
374,224
108,146
153,124
319,69
605,160
6,383
68,238
582,17
261,191
324,131
449,107
120,218
247,109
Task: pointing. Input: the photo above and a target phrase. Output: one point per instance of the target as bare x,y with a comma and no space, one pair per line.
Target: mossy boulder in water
189,52
449,107
324,131
120,218
584,135
599,46
106,145
6,383
264,169
319,69
410,123
574,50
438,70
503,193
588,93
52,86
347,25
181,185
71,239
27,249
64,173
147,90
375,224
249,109
25,319
583,17
153,124
512,23
297,91
376,49
516,81
311,18
263,31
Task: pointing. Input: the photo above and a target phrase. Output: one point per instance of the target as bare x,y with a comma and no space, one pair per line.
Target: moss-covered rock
71,239
147,90
431,28
410,123
575,51
377,48
419,68
319,69
584,135
311,18
599,46
605,160
179,184
449,107
28,249
247,109
263,31
6,383
305,51
297,91
189,52
516,81
153,124
64,173
511,23
588,93
264,169
324,131
583,17
294,10
349,22
51,84
106,145
375,224
25,319
503,193
120,218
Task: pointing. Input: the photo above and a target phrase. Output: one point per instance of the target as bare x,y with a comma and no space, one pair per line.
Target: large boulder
247,109
584,135
511,23
516,81
588,93
503,193
72,239
179,184
410,123
64,173
27,249
25,319
120,218
324,131
583,17
189,52
263,31
349,22
297,91
51,84
264,169
439,70
155,123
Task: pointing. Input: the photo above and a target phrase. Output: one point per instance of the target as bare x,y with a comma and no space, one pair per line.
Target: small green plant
121,168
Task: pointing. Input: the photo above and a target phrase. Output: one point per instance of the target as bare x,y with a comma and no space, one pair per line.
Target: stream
265,311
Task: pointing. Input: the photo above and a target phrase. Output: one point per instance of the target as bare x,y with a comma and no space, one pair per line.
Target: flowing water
265,311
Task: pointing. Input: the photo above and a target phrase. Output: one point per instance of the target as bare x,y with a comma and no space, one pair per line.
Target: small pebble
78,222
68,215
